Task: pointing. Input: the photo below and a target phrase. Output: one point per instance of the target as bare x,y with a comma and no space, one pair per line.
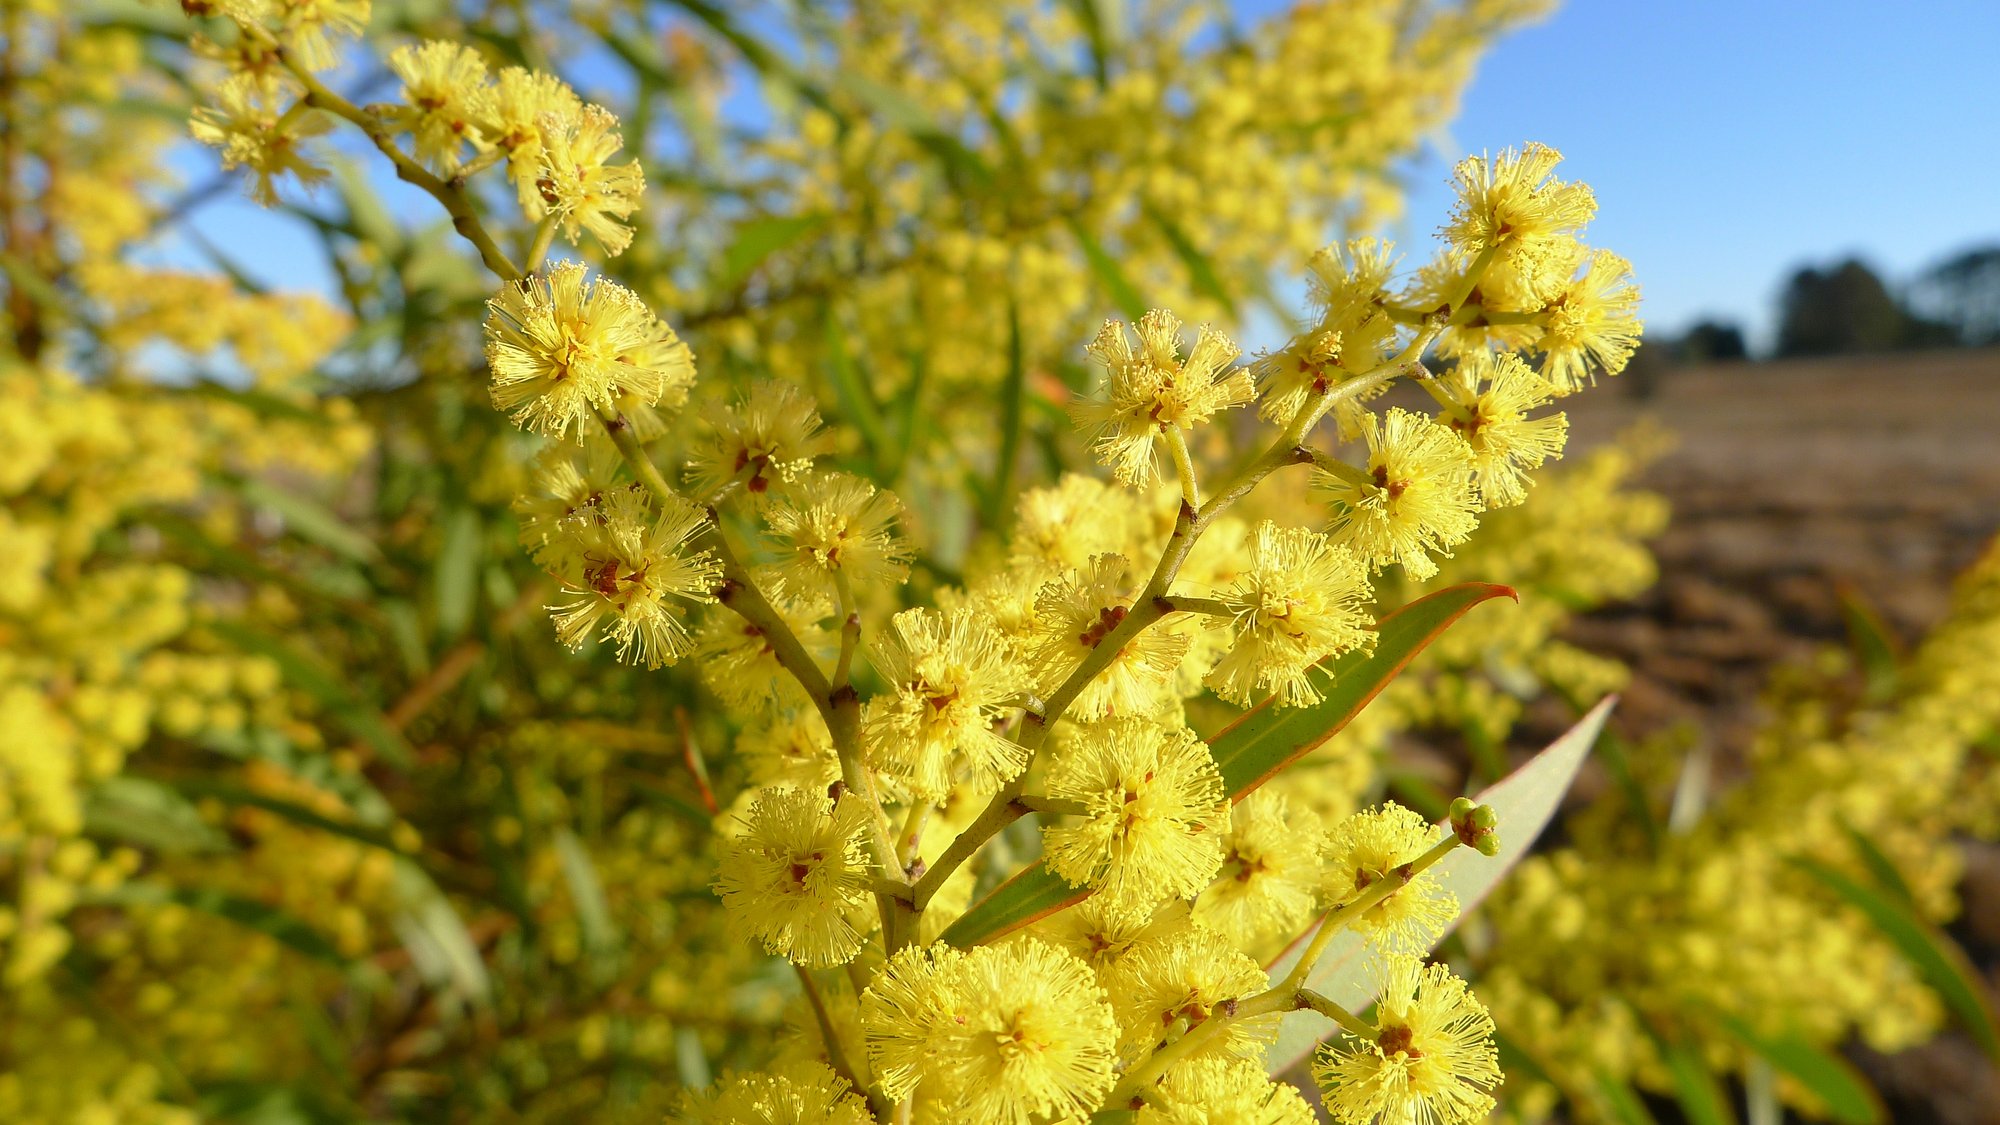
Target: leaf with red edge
1253,749
1525,801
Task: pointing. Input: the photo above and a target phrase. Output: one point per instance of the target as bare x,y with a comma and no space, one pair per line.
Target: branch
836,1051
456,201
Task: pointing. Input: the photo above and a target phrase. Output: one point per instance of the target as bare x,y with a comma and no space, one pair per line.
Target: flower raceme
1062,626
559,152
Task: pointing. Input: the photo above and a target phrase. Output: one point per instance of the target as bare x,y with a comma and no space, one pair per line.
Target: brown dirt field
1789,481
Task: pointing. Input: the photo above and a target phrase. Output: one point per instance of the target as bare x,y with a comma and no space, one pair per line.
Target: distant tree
1843,309
1712,341
1962,294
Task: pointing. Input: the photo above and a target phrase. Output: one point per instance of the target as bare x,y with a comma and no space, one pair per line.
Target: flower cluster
460,118
1052,684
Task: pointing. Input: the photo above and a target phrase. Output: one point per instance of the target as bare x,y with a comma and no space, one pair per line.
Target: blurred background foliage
304,816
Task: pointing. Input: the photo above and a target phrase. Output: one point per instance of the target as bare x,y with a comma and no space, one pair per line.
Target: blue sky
1727,142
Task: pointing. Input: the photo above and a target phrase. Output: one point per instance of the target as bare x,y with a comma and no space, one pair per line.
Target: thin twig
836,1051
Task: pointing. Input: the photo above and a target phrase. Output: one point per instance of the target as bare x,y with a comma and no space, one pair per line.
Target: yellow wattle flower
1165,987
444,88
1514,203
771,436
832,526
511,118
797,1093
1269,883
1156,813
253,131
1591,325
1151,389
562,347
1303,600
577,182
1371,845
796,879
1495,394
631,572
1432,1057
1414,498
948,678
1037,1038
1074,615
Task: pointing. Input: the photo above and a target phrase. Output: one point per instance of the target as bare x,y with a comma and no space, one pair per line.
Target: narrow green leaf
362,720
1201,271
1613,752
1119,287
288,810
1701,1097
691,1059
761,56
223,262
1760,1093
1031,895
263,1103
857,400
24,276
1267,738
1875,646
756,240
135,810
457,573
1098,31
438,942
1420,793
998,501
371,219
586,892
1941,962
1848,1097
1252,750
310,520
286,929
1880,867
1621,1103
1525,800
909,404
643,55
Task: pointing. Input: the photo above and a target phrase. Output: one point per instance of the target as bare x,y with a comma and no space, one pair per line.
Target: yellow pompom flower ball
1156,813
1432,1057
